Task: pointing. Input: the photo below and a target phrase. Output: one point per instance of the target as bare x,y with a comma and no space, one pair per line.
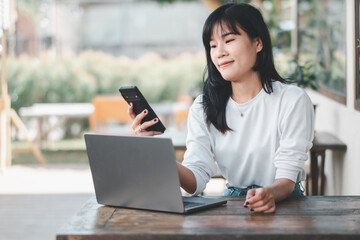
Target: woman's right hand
140,128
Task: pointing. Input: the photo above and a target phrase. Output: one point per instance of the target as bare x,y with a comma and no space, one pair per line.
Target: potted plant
302,75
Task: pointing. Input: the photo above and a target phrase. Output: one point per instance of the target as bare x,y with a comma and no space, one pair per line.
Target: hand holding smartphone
132,94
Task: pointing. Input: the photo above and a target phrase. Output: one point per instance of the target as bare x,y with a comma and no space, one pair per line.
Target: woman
257,128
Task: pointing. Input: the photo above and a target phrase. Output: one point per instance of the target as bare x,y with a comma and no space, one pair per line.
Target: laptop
139,172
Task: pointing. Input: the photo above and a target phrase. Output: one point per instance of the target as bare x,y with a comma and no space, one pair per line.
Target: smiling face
233,54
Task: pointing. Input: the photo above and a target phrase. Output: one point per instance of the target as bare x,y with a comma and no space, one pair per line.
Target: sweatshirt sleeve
296,127
199,157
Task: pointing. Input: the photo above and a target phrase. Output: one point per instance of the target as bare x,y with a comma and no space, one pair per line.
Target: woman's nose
221,51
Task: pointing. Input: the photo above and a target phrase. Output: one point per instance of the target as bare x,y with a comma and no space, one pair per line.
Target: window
357,55
322,43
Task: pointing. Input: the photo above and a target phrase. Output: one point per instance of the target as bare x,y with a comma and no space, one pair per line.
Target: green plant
79,78
302,75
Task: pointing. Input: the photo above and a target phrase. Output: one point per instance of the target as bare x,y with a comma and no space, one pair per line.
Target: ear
259,44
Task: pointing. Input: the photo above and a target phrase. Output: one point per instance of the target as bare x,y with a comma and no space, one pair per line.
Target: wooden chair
316,178
108,109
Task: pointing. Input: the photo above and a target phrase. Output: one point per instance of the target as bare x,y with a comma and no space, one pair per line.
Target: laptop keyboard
188,204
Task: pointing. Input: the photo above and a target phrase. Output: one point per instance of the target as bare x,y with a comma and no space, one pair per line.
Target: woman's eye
230,40
212,46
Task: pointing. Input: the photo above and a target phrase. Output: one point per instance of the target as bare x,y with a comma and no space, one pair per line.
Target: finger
260,209
249,195
137,121
137,131
256,195
268,200
270,207
271,210
131,111
148,124
157,133
150,133
261,203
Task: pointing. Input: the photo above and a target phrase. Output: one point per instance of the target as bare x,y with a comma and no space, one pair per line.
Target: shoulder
293,101
196,112
198,102
199,98
197,106
289,92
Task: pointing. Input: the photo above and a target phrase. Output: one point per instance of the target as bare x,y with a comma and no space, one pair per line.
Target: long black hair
217,90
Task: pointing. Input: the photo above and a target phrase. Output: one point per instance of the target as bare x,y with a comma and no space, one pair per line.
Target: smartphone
132,94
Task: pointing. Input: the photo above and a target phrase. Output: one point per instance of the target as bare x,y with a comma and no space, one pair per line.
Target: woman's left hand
260,200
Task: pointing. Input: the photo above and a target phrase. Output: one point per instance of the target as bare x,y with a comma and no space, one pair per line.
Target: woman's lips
224,64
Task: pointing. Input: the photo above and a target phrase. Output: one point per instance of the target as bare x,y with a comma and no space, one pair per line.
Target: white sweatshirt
271,135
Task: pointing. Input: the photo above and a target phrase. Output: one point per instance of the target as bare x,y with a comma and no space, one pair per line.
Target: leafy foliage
79,78
302,75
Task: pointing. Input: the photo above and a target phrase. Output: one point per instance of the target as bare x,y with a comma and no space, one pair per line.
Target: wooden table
61,111
314,217
322,141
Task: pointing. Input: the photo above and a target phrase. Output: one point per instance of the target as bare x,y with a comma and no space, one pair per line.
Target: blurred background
69,51
64,60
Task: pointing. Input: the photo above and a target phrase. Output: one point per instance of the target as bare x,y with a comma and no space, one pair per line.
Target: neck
244,91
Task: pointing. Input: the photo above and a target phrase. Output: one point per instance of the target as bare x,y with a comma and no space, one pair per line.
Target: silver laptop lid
134,172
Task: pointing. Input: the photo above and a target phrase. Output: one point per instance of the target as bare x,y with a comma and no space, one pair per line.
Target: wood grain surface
314,217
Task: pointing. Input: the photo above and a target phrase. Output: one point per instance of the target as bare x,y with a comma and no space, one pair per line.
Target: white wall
342,170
